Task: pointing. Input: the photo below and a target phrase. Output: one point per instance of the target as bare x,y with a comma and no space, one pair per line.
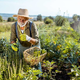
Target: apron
21,50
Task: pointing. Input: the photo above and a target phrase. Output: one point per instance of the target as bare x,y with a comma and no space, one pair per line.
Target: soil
59,76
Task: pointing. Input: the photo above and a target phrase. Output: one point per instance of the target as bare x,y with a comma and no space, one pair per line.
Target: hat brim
23,16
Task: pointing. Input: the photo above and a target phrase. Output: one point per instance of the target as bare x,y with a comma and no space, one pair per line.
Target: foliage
75,17
62,44
49,66
51,18
39,18
11,19
60,21
1,45
75,72
12,67
5,27
48,21
45,19
79,17
31,75
1,19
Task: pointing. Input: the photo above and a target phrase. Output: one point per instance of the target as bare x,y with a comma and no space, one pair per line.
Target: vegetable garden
62,61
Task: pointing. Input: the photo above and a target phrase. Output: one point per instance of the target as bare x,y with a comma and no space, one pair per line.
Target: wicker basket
28,56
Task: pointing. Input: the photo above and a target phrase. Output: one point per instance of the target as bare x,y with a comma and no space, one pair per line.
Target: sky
43,7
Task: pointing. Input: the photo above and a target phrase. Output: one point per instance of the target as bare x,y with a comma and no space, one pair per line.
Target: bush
11,19
39,18
60,21
51,18
75,17
48,21
45,19
1,19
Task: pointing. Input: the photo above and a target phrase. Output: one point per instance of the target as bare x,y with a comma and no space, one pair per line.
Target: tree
75,17
1,19
51,18
59,20
45,19
48,18
48,21
79,17
39,18
11,19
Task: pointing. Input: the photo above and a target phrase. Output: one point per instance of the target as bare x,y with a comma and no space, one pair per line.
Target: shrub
1,19
45,19
75,17
59,20
11,19
5,27
51,18
39,18
48,21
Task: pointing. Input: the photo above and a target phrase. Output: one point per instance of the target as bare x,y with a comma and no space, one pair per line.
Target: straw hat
24,13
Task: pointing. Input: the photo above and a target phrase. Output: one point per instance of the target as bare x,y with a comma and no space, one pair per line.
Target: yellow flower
59,28
64,51
72,29
58,47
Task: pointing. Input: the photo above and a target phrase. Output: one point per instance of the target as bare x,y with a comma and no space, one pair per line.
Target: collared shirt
22,31
34,33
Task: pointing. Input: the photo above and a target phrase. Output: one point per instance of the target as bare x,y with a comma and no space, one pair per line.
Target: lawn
5,35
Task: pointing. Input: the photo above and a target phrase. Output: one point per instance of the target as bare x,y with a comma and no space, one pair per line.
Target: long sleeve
34,32
13,33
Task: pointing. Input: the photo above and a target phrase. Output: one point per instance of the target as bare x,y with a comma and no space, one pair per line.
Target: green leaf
36,72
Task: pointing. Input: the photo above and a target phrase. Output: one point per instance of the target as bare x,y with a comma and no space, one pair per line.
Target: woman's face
22,20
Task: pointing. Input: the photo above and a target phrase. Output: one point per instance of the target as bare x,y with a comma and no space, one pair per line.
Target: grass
5,35
6,26
6,23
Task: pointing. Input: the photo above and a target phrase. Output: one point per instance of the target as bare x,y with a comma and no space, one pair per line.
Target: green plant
49,66
51,18
63,48
11,19
39,18
48,21
5,27
31,74
75,17
1,19
75,72
60,21
62,44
